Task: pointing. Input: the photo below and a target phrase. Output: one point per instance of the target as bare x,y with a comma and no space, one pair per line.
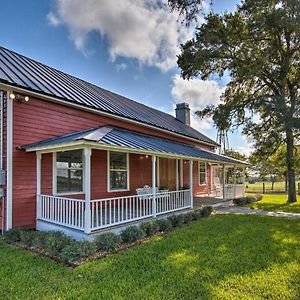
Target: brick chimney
183,113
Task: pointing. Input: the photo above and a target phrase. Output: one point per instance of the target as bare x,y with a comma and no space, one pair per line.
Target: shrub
12,235
108,241
132,234
27,237
206,211
188,217
196,214
164,224
258,197
244,200
150,228
176,220
39,239
55,241
76,250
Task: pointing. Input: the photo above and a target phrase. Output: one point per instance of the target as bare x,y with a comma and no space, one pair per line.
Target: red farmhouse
79,158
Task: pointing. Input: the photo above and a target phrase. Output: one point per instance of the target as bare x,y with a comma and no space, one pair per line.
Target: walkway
225,208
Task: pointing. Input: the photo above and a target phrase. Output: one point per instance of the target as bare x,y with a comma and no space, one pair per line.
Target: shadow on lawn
204,260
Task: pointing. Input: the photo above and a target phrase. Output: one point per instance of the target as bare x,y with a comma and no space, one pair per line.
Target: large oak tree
259,47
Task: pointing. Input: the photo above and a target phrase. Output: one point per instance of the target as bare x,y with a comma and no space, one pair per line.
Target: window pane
69,159
202,178
202,173
69,171
69,181
118,180
118,161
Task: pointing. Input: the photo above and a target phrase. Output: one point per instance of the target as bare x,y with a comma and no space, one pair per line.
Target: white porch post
9,160
234,182
38,183
177,177
244,180
181,173
191,183
154,185
224,183
87,189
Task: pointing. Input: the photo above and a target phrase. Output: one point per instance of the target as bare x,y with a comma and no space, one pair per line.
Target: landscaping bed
62,248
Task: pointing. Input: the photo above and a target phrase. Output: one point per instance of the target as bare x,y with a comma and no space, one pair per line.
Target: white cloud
198,93
246,147
121,67
53,19
141,29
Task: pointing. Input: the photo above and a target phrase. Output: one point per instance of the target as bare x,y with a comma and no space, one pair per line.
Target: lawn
221,257
276,203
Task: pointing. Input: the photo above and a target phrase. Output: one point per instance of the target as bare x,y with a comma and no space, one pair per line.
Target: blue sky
126,46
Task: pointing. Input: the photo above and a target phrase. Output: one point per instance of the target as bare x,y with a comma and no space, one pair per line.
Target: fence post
298,188
264,188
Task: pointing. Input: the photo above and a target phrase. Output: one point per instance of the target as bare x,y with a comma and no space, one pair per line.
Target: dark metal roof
18,70
113,136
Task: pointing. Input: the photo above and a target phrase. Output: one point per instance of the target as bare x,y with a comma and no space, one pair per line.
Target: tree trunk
285,181
290,166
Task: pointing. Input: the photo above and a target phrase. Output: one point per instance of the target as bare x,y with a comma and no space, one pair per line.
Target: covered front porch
97,186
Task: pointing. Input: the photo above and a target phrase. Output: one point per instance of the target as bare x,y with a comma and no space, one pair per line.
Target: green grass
258,187
276,203
221,257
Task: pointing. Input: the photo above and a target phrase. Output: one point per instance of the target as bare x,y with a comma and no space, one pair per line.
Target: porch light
26,98
12,96
146,156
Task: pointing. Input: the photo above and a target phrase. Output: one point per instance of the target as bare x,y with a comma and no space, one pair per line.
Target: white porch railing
109,212
234,191
63,211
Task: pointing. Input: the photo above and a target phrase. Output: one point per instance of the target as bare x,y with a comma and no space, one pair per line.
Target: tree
259,47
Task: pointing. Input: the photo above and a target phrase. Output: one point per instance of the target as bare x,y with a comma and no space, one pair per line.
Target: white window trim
108,173
205,182
54,176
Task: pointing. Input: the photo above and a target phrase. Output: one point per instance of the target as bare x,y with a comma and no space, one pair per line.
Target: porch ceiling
108,137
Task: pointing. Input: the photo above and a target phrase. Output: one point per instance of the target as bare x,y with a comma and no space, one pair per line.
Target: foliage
176,220
189,9
132,234
12,235
188,217
222,257
27,237
164,225
150,228
206,211
259,47
108,241
244,200
76,250
39,239
276,203
55,241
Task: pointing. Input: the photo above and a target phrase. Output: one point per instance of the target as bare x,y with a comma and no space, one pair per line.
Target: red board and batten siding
38,120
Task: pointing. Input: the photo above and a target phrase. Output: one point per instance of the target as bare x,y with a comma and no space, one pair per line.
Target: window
202,173
69,172
118,171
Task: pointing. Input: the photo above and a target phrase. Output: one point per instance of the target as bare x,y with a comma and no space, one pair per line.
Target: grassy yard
276,203
221,257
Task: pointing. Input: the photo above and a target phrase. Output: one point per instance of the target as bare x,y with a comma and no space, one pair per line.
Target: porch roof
114,138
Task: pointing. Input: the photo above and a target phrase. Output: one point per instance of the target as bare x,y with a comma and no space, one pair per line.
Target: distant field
258,187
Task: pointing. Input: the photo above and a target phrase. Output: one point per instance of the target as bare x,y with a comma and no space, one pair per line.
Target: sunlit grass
276,203
221,257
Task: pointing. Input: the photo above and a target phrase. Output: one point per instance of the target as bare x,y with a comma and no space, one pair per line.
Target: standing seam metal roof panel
18,70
